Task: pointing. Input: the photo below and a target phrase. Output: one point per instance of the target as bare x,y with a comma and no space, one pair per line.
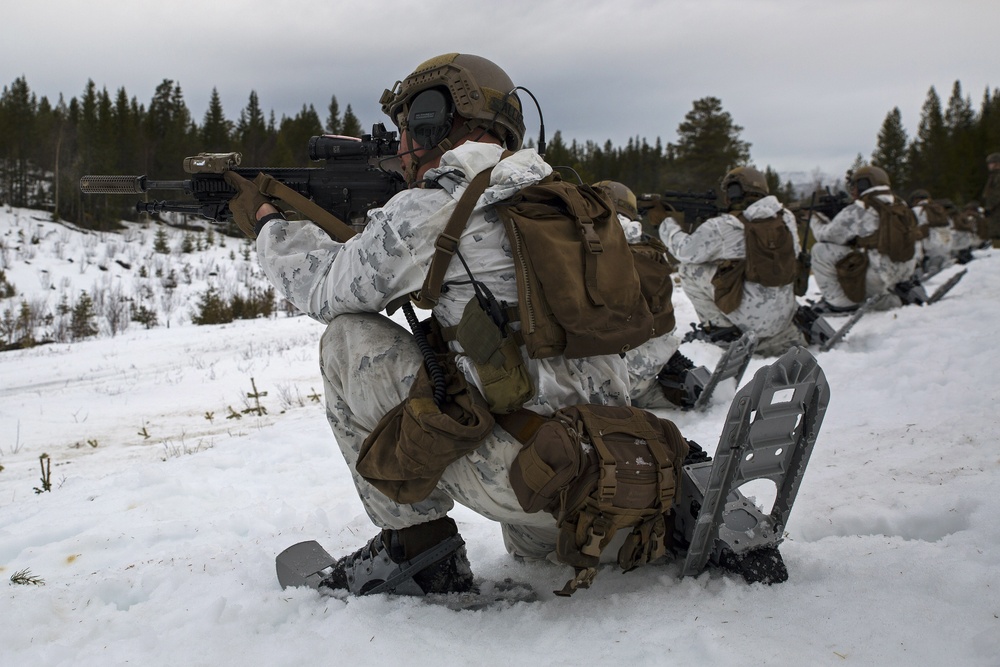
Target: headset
430,118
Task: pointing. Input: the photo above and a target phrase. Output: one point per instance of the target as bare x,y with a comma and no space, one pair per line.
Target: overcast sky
809,81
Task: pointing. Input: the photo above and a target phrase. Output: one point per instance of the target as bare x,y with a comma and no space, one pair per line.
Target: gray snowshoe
691,387
946,287
769,434
839,334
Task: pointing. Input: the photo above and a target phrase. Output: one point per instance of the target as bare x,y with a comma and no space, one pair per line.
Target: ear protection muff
429,118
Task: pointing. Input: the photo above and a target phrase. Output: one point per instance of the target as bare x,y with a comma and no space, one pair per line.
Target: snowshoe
946,287
379,567
813,325
911,292
691,387
769,434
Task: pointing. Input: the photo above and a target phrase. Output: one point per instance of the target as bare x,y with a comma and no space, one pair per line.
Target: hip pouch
598,469
852,270
728,283
409,449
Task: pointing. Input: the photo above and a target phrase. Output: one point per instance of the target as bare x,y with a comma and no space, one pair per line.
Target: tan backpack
655,281
579,294
897,231
770,261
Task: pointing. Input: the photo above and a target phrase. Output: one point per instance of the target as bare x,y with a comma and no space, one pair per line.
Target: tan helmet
623,198
744,183
479,91
867,177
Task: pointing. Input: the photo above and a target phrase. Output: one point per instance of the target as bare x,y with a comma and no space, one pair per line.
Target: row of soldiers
743,268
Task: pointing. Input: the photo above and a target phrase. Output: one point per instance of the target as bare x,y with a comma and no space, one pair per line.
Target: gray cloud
810,82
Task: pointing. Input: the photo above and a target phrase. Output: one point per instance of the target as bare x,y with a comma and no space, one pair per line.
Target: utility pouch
802,278
599,469
852,270
728,284
409,449
498,360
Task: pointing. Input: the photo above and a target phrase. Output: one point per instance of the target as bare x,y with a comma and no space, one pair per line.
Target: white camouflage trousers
368,364
881,277
767,311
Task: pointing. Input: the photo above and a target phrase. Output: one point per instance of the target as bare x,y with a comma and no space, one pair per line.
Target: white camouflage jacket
765,310
389,259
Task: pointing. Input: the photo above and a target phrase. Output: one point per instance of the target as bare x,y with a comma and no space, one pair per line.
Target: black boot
422,559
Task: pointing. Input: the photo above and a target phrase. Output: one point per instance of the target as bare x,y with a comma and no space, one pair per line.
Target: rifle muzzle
113,185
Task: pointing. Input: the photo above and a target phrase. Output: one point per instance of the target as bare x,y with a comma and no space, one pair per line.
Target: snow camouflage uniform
991,196
832,244
646,361
936,249
767,311
965,235
368,362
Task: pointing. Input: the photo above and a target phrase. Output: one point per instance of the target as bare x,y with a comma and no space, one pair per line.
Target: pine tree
82,321
216,131
927,152
709,145
890,151
333,124
251,132
351,126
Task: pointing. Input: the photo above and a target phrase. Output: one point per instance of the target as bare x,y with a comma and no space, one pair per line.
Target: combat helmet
993,158
742,184
864,178
469,86
918,195
623,198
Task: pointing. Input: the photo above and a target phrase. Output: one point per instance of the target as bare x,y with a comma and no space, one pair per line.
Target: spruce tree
351,126
890,151
709,145
333,124
216,131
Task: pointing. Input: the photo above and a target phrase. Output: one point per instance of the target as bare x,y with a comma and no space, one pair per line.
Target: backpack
897,231
655,281
936,215
579,294
770,251
770,260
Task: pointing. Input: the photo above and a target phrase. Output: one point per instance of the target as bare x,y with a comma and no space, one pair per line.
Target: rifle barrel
125,185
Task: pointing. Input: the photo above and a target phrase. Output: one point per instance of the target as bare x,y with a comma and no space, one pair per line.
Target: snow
156,542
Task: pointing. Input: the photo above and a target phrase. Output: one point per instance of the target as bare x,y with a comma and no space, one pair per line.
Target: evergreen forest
46,146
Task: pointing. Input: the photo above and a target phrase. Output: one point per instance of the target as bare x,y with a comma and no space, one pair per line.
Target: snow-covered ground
156,542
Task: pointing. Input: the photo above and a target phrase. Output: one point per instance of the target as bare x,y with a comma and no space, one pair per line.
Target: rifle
694,207
351,182
828,204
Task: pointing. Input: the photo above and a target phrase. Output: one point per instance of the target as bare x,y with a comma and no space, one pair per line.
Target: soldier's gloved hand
245,204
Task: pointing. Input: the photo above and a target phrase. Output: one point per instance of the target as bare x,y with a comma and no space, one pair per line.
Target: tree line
46,147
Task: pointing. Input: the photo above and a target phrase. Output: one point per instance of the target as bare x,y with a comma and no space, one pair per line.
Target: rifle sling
325,220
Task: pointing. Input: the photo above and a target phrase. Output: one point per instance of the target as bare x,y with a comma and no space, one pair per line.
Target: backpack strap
446,244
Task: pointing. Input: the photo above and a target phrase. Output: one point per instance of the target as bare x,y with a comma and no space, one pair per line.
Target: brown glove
245,204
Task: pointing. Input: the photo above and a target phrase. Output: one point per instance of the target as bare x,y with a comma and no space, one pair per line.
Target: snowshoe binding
691,387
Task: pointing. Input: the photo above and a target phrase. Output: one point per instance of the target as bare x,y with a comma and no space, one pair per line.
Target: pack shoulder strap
446,244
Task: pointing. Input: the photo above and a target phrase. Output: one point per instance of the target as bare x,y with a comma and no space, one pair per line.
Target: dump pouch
728,284
409,449
852,270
